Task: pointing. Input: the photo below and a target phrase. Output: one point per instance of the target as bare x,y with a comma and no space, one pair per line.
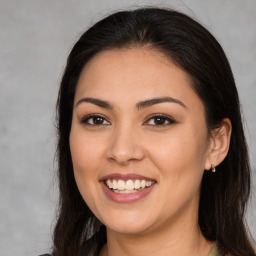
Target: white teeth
143,184
148,183
120,185
114,184
137,184
124,191
109,184
128,186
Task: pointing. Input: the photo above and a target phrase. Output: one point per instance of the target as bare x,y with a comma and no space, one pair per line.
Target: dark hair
190,46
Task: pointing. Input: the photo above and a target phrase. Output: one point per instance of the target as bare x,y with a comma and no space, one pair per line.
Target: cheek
178,150
85,154
180,157
85,151
181,164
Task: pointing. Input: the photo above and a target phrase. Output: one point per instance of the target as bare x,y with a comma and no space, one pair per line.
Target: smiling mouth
128,186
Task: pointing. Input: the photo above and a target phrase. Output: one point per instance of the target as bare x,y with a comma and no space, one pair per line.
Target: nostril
125,154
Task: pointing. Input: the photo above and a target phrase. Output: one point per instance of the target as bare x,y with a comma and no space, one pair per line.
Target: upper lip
128,176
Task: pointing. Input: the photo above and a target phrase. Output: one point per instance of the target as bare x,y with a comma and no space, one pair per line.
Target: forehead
134,73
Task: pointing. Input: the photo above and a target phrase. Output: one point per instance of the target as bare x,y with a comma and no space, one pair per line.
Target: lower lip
126,198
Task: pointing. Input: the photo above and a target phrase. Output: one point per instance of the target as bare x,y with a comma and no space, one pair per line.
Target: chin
130,224
130,229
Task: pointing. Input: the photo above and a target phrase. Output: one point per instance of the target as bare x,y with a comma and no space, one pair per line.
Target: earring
213,169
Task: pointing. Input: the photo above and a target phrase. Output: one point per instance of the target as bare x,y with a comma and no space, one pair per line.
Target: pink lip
125,198
130,176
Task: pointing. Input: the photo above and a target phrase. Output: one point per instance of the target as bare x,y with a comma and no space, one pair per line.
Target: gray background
35,38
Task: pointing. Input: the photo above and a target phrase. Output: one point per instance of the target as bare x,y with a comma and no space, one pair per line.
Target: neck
181,239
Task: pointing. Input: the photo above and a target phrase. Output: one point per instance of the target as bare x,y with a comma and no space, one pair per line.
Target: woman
151,150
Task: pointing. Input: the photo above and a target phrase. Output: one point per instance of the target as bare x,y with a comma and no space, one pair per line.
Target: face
138,141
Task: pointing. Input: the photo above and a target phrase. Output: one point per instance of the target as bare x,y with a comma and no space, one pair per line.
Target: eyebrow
139,105
98,102
150,102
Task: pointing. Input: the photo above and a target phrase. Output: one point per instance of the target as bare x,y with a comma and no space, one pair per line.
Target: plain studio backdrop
35,38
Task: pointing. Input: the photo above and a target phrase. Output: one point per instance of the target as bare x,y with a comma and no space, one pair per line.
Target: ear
219,144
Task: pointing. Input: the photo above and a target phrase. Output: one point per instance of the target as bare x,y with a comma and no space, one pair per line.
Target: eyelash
92,116
165,118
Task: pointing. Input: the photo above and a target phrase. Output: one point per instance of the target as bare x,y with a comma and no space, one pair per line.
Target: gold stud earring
213,168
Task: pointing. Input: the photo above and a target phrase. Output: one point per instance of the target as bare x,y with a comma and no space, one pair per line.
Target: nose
125,147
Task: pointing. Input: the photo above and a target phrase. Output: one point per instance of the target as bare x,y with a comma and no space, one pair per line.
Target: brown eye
95,120
159,120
